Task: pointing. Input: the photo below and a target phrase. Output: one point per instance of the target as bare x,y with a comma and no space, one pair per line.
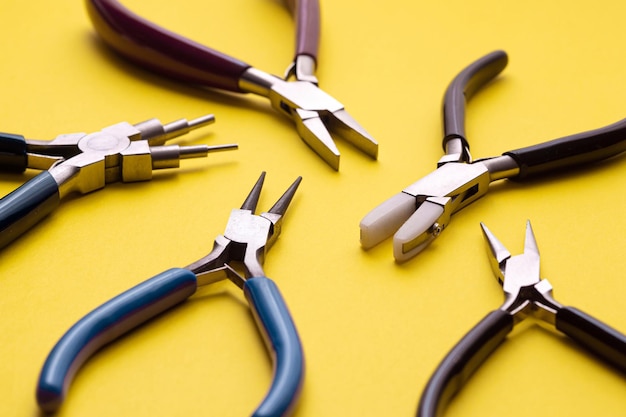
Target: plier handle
245,241
418,214
82,163
314,112
527,295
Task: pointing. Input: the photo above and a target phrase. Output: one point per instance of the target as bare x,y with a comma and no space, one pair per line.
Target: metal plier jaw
526,294
314,112
246,239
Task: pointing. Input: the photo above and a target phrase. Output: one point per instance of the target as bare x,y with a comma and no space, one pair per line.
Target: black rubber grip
24,207
606,342
569,151
12,153
459,364
464,85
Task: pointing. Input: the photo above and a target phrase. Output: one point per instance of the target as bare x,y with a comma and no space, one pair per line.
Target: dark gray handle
459,364
464,85
569,151
602,340
13,150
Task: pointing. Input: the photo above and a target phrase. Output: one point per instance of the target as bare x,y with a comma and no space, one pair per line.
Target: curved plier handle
139,304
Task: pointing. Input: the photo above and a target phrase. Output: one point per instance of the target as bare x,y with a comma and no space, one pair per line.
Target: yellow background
373,330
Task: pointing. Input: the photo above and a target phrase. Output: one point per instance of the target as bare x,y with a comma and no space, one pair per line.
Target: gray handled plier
527,295
422,210
314,112
81,163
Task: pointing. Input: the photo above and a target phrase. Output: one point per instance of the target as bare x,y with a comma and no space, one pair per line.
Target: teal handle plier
245,241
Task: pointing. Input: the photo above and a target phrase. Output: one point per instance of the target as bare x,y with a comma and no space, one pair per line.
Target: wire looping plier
82,163
242,247
422,210
527,295
314,112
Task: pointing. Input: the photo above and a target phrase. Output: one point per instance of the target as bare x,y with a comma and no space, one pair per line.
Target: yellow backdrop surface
373,330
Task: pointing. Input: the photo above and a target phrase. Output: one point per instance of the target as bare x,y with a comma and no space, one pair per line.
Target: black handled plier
527,295
422,210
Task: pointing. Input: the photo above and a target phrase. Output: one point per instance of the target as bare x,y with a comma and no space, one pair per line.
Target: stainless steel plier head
418,214
246,239
83,163
315,113
525,292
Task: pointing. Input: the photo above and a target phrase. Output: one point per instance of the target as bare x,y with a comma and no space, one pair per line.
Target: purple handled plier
314,112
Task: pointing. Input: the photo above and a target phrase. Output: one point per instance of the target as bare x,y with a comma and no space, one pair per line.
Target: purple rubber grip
307,15
161,50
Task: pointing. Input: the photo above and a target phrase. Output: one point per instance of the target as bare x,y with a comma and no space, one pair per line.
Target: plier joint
81,162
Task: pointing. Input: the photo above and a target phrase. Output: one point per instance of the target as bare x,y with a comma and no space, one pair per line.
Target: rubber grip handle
471,79
307,14
578,149
13,150
26,206
105,324
606,342
459,364
163,51
273,319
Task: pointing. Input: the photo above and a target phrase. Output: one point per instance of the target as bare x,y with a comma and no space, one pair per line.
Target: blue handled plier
82,163
245,241
527,295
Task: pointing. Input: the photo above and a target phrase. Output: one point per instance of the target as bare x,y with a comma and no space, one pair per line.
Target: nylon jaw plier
82,163
242,247
314,112
422,210
526,295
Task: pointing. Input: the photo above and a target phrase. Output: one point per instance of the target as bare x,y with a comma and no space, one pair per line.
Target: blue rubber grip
13,150
273,318
105,324
26,206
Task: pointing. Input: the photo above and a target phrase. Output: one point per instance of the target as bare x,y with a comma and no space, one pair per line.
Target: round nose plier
418,214
314,112
243,244
82,163
527,295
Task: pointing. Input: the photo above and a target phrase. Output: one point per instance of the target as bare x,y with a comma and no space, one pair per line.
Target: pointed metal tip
498,253
253,198
283,202
353,132
530,242
313,132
